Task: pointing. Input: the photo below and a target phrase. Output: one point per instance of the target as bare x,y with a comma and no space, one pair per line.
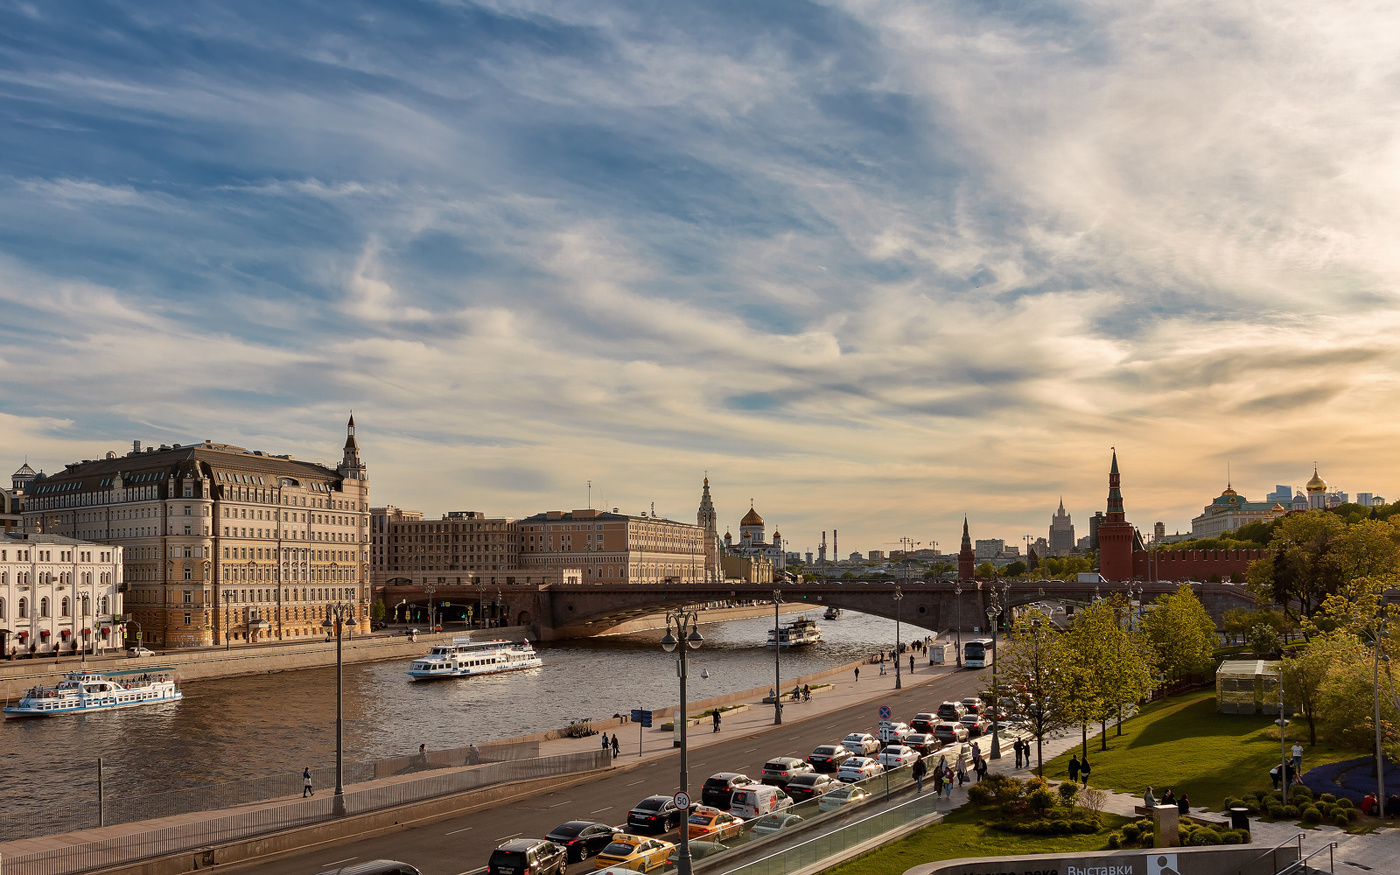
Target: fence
82,813
292,815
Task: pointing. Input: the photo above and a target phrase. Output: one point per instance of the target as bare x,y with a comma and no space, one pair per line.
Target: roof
24,469
751,518
43,538
207,459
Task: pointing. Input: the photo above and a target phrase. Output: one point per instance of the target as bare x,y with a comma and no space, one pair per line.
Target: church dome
24,470
1278,508
1317,484
777,536
751,518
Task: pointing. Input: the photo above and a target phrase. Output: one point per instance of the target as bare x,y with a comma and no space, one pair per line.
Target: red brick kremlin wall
1193,564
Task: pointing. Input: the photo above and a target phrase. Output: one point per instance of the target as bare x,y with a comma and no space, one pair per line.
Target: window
23,609
185,596
188,576
44,608
187,618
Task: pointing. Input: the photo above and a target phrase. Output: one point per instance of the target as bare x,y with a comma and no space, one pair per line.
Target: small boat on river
83,691
466,658
832,613
798,633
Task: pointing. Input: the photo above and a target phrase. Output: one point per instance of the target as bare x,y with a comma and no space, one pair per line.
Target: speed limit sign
682,800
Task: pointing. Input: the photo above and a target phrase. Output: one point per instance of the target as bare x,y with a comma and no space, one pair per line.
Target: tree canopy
1180,633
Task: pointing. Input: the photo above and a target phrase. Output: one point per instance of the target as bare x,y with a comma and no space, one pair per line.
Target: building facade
707,519
1061,539
613,547
752,543
1229,511
220,545
58,595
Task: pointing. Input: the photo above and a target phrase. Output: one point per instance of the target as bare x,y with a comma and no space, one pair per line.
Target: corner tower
1115,533
967,559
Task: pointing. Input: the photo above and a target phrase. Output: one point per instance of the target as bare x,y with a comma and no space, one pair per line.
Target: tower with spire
1115,532
351,468
967,558
708,520
1061,531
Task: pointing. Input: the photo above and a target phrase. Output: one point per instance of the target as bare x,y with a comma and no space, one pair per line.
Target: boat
832,613
798,633
83,691
466,658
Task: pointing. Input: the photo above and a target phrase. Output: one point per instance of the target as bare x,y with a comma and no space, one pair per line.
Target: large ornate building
707,519
1229,511
58,595
220,544
752,544
1061,541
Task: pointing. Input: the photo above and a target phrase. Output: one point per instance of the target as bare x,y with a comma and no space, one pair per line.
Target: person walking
1084,769
306,783
1074,769
616,748
937,779
606,746
948,783
716,719
857,672
911,663
918,772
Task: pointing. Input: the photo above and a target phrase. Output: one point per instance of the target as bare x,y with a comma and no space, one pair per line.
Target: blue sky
872,264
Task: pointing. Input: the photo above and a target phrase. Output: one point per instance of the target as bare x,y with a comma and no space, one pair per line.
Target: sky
871,265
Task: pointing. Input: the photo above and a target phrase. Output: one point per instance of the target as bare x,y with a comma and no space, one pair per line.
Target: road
462,843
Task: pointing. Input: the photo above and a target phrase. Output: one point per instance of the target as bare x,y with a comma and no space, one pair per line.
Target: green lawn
962,834
1184,743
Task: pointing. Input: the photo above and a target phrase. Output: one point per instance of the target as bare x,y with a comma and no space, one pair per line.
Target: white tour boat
798,633
83,691
465,657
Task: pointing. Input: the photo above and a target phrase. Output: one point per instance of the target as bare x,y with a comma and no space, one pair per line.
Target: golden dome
1317,484
751,518
1278,508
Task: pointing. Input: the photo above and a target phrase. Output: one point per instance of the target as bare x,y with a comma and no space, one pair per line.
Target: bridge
561,611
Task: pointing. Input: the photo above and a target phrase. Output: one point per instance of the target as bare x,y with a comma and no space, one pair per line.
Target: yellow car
713,824
638,853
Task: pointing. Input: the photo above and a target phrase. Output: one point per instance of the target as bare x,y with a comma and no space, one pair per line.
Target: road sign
885,712
682,800
642,717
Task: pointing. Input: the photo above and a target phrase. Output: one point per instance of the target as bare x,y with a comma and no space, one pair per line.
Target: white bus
978,653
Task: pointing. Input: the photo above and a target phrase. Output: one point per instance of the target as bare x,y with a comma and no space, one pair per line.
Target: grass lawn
962,834
1184,743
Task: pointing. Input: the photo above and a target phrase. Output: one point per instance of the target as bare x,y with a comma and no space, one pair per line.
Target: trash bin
1239,818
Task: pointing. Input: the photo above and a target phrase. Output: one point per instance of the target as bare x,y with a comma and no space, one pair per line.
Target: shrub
1300,795
1341,819
1131,832
1060,826
1068,794
980,795
1276,810
1115,841
1346,803
1243,835
1205,837
1085,827
1093,799
1231,838
1328,797
1312,816
1040,800
1290,811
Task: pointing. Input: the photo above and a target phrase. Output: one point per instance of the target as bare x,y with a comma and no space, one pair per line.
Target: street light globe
694,639
668,643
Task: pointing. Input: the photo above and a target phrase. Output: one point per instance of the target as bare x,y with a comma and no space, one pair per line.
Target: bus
978,653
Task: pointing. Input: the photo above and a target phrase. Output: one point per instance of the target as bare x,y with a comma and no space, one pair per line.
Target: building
752,543
1282,494
220,544
877,555
1061,539
612,547
750,569
1317,491
58,595
462,547
1229,511
707,519
988,549
1159,531
1115,533
967,558
382,521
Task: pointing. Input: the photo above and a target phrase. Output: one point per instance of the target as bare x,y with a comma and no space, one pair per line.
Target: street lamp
683,626
957,600
430,589
993,611
777,662
336,616
898,599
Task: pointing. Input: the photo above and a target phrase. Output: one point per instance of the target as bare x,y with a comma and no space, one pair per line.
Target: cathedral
751,538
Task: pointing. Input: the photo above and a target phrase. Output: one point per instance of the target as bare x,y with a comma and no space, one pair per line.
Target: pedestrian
857,672
605,743
1183,805
911,663
306,783
962,772
473,755
918,772
1074,769
806,692
937,780
617,748
716,719
1084,771
948,783
1273,776
1148,799
1297,757
1169,798
423,755
882,668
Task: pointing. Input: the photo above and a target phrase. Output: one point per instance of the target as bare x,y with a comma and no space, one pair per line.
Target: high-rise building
989,548
1061,532
220,544
1282,494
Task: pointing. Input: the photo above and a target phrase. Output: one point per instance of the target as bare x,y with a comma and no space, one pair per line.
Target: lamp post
430,590
993,611
683,632
898,600
777,662
957,600
336,615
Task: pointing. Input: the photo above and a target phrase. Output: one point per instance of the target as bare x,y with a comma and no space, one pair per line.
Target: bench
1198,819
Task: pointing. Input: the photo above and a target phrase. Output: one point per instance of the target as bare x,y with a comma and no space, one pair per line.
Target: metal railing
1302,865
293,814
1273,852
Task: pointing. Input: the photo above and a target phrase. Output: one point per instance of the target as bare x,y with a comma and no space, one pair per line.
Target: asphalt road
461,844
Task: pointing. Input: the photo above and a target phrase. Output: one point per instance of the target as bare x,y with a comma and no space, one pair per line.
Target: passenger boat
465,657
832,613
798,633
83,691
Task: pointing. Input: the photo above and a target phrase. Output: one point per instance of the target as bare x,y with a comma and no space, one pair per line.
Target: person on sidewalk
1016,746
617,748
857,672
605,743
948,783
911,663
1183,805
1084,769
1273,776
918,772
716,719
1074,769
306,783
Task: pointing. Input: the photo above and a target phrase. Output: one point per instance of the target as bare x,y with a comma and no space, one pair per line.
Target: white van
757,800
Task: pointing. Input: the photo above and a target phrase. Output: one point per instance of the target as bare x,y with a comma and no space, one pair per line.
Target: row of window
64,610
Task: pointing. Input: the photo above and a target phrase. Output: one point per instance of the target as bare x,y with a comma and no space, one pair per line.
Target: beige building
613,547
750,569
463,547
58,595
221,545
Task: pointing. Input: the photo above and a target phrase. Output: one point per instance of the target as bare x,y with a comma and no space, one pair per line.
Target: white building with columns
58,595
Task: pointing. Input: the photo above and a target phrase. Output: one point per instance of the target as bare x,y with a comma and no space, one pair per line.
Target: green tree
1180,633
1305,674
1014,569
1264,639
1106,668
1237,622
1301,570
986,569
1032,663
377,611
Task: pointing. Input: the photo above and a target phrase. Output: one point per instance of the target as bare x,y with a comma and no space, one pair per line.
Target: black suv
718,792
536,856
655,813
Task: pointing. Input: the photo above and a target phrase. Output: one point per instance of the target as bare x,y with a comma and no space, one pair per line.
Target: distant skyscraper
1094,522
1283,494
1159,531
1061,532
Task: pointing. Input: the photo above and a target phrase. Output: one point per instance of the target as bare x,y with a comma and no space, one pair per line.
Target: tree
1106,667
1014,569
1180,633
1032,664
1237,622
377,611
986,569
1264,639
1301,571
1305,674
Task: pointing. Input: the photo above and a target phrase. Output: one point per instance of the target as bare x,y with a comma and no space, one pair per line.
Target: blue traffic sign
885,712
642,717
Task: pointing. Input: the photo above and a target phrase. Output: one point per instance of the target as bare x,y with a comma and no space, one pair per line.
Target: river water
237,728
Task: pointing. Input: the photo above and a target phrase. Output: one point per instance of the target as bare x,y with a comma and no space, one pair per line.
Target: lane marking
557,804
600,810
455,831
473,871
751,750
338,862
634,783
506,838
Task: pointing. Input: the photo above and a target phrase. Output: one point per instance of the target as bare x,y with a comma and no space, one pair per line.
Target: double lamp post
682,636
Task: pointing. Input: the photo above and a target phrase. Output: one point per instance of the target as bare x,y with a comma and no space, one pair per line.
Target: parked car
634,852
717,791
376,867
771,823
892,732
951,711
757,800
582,838
972,705
376,625
656,813
976,725
535,856
846,795
897,756
950,732
810,786
134,652
828,757
861,743
711,823
923,722
858,769
779,770
923,743
698,851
